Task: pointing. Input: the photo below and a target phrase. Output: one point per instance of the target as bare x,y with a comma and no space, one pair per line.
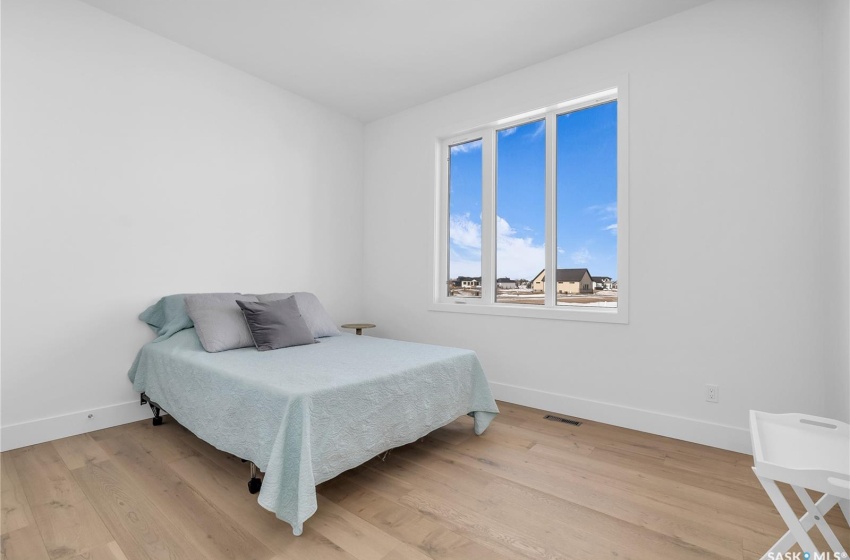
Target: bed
305,414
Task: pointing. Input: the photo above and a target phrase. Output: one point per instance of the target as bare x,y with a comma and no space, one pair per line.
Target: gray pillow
276,324
218,321
314,313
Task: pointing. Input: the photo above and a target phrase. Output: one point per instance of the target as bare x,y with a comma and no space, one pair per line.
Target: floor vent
564,420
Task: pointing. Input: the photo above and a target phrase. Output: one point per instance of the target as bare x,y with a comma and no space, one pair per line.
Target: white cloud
582,256
469,265
464,232
503,228
507,132
465,246
603,211
539,129
516,257
612,228
466,147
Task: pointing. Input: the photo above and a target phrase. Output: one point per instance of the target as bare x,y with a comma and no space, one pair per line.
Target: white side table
806,452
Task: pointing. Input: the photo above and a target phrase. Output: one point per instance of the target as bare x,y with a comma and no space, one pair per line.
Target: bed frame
254,483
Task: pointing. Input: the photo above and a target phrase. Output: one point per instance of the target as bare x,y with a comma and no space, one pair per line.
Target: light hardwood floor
527,489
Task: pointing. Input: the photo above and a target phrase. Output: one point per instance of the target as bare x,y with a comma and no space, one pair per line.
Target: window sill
594,315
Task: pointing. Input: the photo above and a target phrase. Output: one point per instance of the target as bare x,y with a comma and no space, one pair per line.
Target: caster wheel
157,421
254,485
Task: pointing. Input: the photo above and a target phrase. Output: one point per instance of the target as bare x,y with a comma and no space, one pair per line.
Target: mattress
305,414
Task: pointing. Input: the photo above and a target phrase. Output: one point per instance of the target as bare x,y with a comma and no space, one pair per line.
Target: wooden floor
527,489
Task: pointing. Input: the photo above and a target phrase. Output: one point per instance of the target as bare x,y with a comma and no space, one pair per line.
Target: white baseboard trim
659,423
66,425
678,427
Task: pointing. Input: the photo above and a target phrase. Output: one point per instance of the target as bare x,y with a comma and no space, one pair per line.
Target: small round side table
358,327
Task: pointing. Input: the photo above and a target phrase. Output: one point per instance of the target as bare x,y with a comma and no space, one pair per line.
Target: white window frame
486,304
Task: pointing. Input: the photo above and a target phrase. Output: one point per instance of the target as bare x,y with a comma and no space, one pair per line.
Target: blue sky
465,210
587,197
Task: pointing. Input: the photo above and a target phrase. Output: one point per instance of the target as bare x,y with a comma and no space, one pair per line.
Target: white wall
135,168
836,56
727,181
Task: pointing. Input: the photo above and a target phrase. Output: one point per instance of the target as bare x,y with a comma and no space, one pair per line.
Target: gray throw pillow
218,321
276,324
314,313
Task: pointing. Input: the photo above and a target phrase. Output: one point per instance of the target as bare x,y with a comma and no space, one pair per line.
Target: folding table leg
784,544
790,518
818,511
845,509
826,503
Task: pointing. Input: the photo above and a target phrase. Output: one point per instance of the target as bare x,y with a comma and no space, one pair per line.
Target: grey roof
568,274
572,274
601,278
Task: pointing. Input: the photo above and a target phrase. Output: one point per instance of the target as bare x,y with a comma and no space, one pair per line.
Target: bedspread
305,414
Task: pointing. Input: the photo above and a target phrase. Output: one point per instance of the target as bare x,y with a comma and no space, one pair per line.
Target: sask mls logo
806,556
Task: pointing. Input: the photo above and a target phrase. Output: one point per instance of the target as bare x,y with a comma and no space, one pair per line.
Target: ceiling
372,58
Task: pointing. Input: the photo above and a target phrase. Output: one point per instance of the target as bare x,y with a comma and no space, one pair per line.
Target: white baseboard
678,427
57,427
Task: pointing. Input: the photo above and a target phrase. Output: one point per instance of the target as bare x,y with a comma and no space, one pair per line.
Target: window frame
486,304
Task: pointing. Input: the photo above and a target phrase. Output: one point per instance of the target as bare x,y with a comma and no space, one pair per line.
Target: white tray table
807,452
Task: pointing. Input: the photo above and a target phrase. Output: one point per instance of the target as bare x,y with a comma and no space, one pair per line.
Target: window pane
521,213
587,206
465,219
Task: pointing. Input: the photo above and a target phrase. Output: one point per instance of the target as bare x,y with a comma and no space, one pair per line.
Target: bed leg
157,419
255,483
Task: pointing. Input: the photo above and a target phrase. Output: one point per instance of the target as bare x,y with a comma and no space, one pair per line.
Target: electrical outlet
712,393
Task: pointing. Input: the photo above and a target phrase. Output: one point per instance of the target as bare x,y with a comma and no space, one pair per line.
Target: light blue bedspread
307,413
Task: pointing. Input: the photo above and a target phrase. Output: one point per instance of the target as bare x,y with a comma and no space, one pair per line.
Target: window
520,210
464,171
586,195
533,215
